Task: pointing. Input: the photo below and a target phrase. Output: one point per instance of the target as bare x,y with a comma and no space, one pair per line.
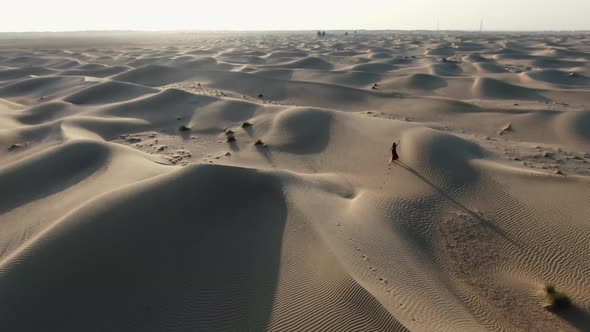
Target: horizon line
290,30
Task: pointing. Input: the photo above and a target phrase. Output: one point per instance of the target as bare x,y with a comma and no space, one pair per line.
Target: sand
125,207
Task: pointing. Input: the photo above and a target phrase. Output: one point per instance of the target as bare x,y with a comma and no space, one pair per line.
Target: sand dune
492,88
45,112
152,75
446,69
374,67
307,63
108,92
558,77
442,50
418,82
476,57
490,68
16,73
544,62
48,87
240,182
96,71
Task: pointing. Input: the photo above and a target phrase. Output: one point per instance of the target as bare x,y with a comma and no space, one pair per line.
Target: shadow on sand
265,152
233,145
575,316
471,213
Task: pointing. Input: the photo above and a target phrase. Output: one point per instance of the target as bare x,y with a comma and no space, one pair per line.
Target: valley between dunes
125,207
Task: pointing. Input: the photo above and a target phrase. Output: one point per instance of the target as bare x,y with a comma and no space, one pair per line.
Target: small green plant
184,128
246,124
557,300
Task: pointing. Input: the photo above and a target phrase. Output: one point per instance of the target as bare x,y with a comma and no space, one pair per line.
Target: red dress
394,155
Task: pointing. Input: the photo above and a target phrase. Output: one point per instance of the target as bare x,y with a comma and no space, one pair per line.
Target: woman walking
394,155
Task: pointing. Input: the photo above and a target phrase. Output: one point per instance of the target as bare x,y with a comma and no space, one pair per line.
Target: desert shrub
556,299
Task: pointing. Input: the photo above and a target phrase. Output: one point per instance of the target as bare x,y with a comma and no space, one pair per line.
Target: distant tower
481,26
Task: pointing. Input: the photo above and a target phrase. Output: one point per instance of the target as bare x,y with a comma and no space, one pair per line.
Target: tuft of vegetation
556,299
260,96
184,128
230,135
258,142
14,147
246,124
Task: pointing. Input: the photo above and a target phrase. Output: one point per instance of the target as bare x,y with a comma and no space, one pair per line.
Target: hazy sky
63,15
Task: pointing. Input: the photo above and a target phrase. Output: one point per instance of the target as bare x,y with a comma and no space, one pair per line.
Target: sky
72,15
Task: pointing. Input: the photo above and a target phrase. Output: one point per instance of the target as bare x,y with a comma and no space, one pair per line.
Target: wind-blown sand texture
115,217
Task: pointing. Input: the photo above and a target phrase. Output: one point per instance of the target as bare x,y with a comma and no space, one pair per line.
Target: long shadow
265,152
575,316
196,251
233,145
474,215
185,135
249,130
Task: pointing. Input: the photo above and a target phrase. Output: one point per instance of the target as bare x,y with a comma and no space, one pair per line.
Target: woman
394,155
